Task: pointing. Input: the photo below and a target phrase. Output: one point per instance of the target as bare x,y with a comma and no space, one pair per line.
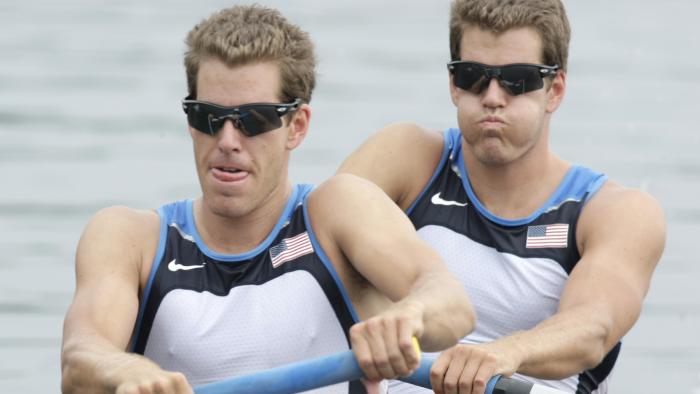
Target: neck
230,234
516,189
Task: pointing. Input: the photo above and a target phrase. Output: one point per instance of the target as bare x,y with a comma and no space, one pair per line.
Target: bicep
622,238
380,241
106,299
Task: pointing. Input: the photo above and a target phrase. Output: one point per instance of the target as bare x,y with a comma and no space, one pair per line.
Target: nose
494,95
229,137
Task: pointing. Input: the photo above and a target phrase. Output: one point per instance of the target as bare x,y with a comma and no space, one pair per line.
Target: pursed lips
492,120
491,127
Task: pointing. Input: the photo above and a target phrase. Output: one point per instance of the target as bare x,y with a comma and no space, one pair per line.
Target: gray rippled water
90,117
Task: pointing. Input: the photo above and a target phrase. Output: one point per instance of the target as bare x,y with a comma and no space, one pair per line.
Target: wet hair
243,35
547,17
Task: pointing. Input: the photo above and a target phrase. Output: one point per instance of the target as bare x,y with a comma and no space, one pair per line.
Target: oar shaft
291,378
343,367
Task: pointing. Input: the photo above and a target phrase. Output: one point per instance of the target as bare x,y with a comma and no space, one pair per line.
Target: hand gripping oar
295,377
343,367
496,385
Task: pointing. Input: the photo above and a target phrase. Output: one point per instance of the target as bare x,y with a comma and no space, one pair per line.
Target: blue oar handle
291,378
342,367
496,385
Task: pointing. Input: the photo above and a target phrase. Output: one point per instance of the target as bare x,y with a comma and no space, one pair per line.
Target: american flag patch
290,248
547,236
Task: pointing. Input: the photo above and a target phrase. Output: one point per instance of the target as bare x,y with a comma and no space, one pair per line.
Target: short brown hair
547,17
242,35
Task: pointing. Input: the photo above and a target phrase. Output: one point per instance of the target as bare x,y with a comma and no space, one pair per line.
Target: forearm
90,365
447,314
563,345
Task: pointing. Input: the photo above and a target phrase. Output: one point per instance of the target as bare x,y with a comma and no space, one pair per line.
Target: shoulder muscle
117,239
400,159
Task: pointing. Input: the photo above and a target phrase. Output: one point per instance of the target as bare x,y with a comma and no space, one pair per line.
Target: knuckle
161,383
155,386
127,389
142,388
406,345
437,373
462,350
373,376
179,379
396,358
480,383
382,362
365,362
402,370
374,325
356,330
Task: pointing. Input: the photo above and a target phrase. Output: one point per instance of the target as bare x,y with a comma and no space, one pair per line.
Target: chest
509,292
253,327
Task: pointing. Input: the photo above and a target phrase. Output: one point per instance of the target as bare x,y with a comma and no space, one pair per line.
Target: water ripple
29,343
31,309
141,124
684,216
47,209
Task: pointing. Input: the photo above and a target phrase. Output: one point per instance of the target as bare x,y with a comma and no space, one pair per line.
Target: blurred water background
90,117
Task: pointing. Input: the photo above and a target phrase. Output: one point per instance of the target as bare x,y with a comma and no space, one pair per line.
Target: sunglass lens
199,118
215,123
519,79
469,77
250,119
260,119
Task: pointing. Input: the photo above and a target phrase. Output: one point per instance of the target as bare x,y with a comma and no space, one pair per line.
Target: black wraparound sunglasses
250,119
514,78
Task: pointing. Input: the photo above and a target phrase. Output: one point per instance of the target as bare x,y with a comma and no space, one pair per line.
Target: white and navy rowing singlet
513,270
213,316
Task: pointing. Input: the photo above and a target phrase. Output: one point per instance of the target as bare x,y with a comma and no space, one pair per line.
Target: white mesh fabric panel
509,292
255,327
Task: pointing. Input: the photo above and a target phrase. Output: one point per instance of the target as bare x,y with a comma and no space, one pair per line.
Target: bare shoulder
125,222
410,136
343,193
615,199
400,158
345,202
618,213
400,140
119,234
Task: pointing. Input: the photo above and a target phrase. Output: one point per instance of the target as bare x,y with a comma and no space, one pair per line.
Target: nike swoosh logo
174,266
437,200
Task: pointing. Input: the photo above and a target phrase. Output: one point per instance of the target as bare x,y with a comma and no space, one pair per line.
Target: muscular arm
400,159
354,217
621,237
101,318
621,234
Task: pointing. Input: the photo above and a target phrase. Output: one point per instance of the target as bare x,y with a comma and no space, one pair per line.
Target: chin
494,161
226,206
493,157
490,152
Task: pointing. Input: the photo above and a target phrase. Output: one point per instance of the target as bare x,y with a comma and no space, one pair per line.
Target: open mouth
229,174
230,170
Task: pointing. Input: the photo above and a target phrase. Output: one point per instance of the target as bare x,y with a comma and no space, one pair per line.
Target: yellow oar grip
416,346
